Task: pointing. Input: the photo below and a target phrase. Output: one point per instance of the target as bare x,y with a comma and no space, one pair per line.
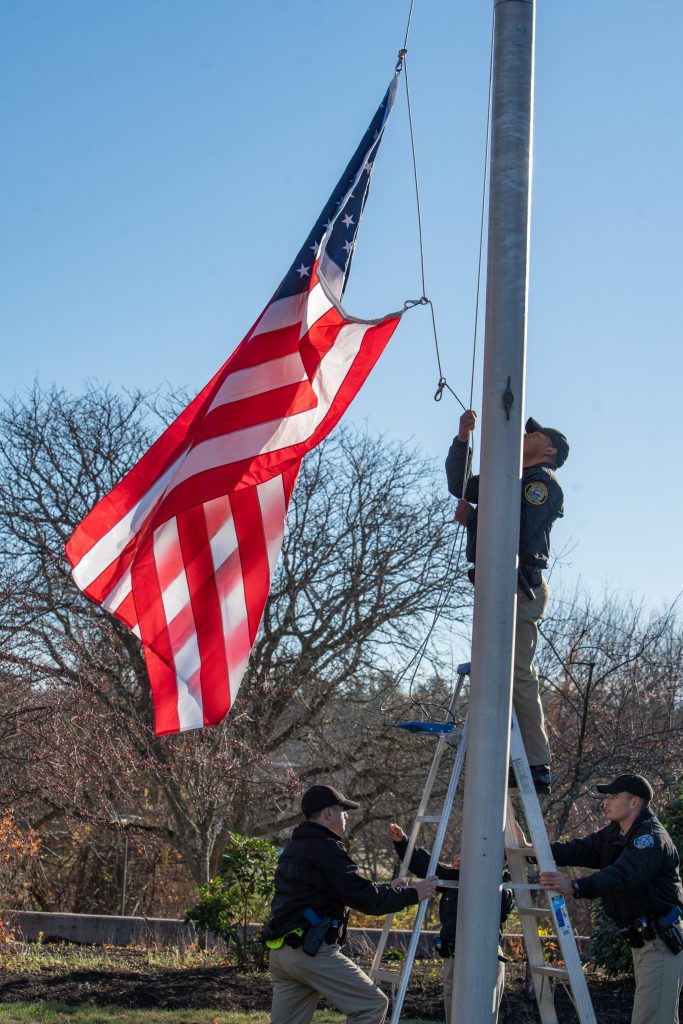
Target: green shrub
608,949
239,895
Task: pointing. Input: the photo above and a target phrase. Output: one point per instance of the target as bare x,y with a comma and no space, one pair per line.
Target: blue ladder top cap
464,669
438,727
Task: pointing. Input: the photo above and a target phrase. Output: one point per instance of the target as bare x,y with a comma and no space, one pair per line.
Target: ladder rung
549,972
534,911
520,851
428,819
386,974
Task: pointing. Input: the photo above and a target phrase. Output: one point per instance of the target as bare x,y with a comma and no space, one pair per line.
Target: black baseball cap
636,785
317,798
556,436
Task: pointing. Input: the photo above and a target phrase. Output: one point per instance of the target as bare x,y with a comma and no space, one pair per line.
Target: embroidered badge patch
643,842
536,493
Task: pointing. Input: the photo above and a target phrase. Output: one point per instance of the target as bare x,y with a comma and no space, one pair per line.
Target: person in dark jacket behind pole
316,881
545,449
448,912
637,877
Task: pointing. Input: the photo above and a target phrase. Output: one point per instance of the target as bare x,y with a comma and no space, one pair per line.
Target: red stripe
319,339
269,345
164,693
199,569
248,412
253,554
149,609
126,612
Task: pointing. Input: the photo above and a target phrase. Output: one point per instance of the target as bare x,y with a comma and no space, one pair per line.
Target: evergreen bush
239,895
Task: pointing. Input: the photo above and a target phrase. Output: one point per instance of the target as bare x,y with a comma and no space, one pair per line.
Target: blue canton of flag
337,225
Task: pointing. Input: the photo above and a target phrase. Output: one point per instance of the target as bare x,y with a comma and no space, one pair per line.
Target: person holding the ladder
545,450
448,912
638,878
315,883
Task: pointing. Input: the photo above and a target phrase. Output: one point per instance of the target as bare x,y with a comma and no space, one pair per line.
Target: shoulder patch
536,492
643,842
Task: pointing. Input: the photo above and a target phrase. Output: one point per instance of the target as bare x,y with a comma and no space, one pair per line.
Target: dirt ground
225,988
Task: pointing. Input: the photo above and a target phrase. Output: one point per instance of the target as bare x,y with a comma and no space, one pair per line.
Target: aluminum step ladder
447,736
552,909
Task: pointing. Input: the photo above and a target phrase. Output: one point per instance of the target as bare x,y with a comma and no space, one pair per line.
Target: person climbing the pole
544,450
636,873
316,881
448,912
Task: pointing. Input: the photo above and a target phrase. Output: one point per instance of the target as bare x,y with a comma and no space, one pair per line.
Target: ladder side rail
424,801
544,858
434,860
532,940
431,778
426,794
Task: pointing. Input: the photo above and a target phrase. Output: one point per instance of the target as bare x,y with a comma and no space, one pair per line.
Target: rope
443,384
410,18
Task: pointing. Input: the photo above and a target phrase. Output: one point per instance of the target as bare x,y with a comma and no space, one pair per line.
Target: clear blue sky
163,161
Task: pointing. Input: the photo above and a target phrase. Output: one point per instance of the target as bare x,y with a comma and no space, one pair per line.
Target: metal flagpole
482,847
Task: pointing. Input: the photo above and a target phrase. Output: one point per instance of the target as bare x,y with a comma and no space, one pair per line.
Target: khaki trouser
659,977
299,980
448,967
525,693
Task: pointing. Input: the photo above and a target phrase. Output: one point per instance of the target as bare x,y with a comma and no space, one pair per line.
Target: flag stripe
213,672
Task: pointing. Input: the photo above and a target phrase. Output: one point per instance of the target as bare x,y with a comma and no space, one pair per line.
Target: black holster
315,936
672,935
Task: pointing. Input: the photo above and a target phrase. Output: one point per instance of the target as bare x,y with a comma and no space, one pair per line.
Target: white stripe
318,304
176,595
282,313
280,433
187,664
333,274
111,544
255,380
186,659
230,586
119,593
271,496
224,541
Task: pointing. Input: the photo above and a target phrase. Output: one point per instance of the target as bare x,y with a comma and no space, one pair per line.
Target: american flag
183,549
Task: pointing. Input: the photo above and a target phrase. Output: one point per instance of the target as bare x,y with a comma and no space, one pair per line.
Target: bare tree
366,562
613,679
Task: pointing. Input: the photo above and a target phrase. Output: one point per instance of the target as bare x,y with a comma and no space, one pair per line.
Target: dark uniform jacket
315,870
542,504
638,873
448,902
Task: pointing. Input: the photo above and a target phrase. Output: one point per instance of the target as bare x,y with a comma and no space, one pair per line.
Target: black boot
540,773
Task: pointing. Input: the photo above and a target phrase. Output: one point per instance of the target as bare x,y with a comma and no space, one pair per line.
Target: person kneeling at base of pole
316,882
448,912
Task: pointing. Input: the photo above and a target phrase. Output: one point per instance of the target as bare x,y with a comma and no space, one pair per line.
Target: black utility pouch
672,935
315,936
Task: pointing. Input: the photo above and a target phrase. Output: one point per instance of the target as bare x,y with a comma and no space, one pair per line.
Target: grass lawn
56,1013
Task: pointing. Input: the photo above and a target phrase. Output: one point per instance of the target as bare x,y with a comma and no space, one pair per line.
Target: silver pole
498,517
